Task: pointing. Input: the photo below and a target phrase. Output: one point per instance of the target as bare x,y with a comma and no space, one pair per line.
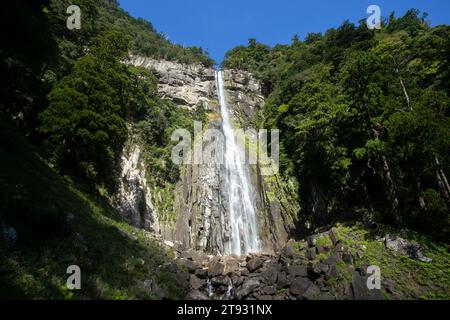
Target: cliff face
189,86
200,197
133,199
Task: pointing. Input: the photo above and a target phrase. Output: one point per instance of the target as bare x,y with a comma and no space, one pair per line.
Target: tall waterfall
241,212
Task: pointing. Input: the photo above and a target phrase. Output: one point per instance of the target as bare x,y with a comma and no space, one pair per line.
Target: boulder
312,240
268,290
289,250
405,247
247,287
201,273
297,271
361,291
254,264
230,265
311,253
299,286
190,265
333,236
195,282
237,280
313,292
198,256
282,280
196,295
215,267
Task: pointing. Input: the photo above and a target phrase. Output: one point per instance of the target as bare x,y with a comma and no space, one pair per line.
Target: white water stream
241,212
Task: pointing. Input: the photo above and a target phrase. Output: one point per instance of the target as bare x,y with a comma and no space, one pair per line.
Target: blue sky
220,25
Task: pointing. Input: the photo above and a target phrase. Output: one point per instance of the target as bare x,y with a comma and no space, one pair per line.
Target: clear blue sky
220,25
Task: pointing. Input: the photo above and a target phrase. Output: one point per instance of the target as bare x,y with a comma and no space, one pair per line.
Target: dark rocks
270,274
333,236
361,291
201,273
254,263
332,272
190,265
315,270
198,256
297,271
196,295
171,267
215,267
230,265
220,280
299,286
405,247
195,282
269,290
313,292
237,280
282,280
288,249
311,253
285,276
312,240
248,286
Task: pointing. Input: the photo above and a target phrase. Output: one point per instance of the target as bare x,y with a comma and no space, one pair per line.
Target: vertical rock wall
200,201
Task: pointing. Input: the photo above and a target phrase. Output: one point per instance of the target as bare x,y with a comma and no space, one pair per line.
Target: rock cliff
200,203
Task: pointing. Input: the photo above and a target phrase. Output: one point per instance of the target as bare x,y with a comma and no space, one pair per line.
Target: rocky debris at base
299,272
405,247
321,267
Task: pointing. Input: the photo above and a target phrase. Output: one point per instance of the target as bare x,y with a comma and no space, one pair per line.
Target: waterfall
241,216
209,288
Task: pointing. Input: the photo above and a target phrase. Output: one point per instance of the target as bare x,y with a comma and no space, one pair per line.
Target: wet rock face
133,199
187,85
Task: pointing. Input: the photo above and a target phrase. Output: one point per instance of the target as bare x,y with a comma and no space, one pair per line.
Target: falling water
209,288
241,213
230,290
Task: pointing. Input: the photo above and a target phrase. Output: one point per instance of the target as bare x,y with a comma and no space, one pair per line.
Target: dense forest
66,105
69,91
365,119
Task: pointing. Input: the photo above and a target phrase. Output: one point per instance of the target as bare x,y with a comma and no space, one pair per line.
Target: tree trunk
408,100
442,180
420,197
390,188
391,191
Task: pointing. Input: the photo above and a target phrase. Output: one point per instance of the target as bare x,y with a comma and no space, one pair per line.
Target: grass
412,279
409,278
36,201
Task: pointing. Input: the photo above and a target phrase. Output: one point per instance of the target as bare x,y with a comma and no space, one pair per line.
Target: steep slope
57,224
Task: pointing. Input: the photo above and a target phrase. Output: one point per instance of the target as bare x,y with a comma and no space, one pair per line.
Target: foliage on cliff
364,118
